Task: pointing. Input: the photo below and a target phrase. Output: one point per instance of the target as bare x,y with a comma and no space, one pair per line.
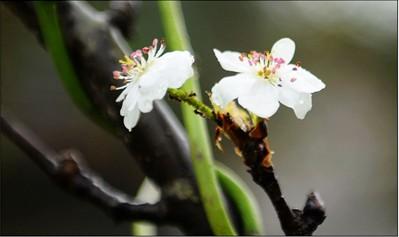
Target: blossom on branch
265,80
146,80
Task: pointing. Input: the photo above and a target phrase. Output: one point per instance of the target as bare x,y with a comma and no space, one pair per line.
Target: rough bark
158,143
253,146
70,172
95,43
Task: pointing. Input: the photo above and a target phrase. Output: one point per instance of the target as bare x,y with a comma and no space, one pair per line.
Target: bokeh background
346,148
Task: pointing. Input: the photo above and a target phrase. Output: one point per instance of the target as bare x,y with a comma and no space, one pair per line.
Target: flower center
265,64
135,65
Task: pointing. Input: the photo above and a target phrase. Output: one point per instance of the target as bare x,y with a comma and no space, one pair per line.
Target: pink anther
116,74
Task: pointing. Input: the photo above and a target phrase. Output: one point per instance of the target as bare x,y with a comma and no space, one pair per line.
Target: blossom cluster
262,81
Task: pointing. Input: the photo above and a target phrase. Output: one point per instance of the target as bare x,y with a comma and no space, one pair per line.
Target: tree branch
254,148
158,142
24,10
190,98
72,174
122,15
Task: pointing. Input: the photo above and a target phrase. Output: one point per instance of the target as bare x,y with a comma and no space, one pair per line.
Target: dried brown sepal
267,159
259,131
218,138
257,155
255,139
238,152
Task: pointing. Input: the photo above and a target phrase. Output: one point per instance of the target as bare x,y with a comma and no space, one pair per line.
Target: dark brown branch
158,142
70,173
122,15
254,148
24,10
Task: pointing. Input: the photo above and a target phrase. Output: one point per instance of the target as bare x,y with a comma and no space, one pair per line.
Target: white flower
264,80
148,79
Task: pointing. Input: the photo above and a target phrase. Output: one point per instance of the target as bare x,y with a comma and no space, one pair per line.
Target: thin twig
158,142
122,15
70,173
254,148
94,65
190,98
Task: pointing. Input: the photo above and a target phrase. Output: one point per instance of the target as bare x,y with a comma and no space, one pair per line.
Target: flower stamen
135,65
266,64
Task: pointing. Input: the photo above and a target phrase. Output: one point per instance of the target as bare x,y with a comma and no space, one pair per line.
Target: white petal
230,61
261,99
124,93
300,79
284,48
131,118
145,105
230,88
300,102
184,61
154,93
130,100
148,95
172,69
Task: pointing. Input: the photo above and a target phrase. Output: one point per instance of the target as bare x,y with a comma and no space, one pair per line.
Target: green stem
201,153
190,99
52,35
242,198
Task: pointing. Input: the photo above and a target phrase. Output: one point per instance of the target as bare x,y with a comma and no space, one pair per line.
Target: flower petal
156,92
130,100
285,49
131,118
261,99
125,92
230,61
300,102
145,105
230,88
172,69
300,79
178,76
150,93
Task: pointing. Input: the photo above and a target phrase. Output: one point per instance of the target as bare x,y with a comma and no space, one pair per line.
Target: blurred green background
346,148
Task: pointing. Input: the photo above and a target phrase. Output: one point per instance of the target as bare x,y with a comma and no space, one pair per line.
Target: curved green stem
201,153
241,195
52,35
243,199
